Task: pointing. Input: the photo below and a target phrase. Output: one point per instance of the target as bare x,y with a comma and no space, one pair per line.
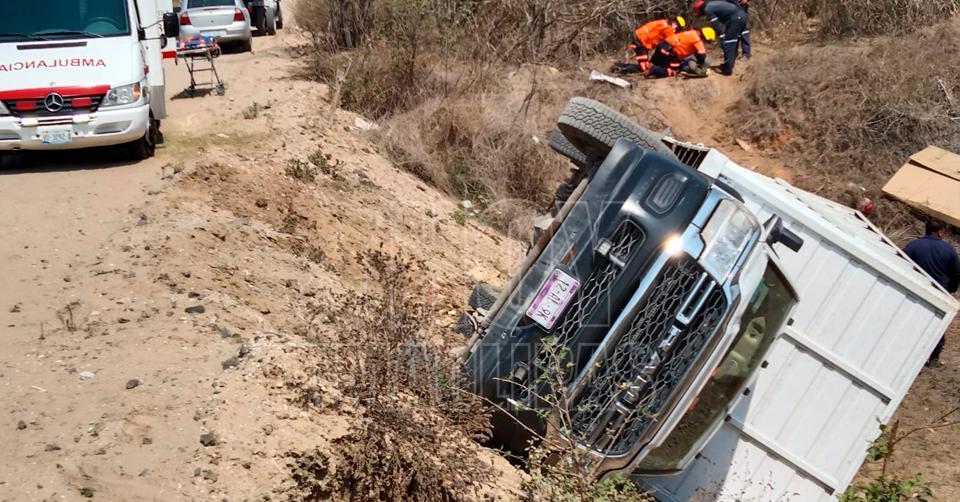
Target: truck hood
110,61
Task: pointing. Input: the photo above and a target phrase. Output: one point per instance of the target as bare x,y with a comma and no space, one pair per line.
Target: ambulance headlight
123,95
727,235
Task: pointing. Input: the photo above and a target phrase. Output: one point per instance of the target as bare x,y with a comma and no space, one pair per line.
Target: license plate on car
216,34
56,135
553,298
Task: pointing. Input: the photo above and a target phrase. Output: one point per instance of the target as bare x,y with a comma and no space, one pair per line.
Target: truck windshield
59,19
762,321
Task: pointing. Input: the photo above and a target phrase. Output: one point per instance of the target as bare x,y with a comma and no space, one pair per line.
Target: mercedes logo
53,102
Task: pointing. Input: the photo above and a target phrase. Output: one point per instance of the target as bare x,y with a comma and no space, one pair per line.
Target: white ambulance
84,73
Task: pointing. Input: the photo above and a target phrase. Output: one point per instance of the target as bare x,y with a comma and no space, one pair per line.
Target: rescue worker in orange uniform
681,52
647,36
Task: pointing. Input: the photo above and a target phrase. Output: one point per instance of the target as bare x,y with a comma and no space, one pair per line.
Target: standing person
938,259
745,46
729,20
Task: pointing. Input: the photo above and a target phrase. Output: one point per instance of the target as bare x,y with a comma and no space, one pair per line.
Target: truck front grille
625,240
628,390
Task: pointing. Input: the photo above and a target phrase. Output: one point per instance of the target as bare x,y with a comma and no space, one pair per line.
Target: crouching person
683,53
647,36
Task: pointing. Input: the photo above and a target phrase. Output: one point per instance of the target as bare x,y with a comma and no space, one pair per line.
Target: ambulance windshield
63,19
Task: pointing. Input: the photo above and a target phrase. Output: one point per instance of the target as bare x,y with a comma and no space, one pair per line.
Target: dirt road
149,309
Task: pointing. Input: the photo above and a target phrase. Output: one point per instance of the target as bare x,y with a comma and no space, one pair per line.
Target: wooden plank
938,160
929,191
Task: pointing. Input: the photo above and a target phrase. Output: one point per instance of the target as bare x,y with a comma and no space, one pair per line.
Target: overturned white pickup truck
724,335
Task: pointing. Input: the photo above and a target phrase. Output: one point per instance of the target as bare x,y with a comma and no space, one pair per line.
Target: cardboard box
930,182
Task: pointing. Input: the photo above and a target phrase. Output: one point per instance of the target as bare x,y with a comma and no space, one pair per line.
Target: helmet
697,7
709,34
681,22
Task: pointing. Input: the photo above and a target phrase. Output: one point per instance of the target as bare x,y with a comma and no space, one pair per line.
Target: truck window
54,19
761,323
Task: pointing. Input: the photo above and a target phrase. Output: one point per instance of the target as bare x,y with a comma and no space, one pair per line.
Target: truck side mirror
782,234
171,25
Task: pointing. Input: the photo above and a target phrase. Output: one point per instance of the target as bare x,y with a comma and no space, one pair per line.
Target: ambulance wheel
145,147
593,128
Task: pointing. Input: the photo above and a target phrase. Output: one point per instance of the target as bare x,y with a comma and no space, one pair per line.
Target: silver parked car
227,20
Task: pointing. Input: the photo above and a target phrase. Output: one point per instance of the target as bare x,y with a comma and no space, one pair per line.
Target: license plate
553,298
56,135
215,34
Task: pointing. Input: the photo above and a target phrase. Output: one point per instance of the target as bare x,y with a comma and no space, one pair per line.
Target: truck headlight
123,95
726,235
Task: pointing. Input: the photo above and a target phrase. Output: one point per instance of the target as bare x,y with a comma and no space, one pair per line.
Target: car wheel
145,147
246,45
279,19
593,128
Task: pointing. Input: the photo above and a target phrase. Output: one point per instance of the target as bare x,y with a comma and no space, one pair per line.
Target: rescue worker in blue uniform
938,258
728,19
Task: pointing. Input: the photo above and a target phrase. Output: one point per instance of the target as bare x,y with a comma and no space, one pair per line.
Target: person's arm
701,53
713,17
954,273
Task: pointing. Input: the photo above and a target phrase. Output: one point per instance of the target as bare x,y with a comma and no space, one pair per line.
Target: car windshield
761,322
193,4
57,19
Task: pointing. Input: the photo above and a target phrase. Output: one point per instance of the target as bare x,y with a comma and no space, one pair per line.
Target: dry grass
412,437
845,18
852,115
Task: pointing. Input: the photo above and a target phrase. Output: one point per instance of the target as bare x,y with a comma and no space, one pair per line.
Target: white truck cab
83,73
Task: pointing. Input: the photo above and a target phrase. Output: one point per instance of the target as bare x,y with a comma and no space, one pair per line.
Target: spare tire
560,144
593,128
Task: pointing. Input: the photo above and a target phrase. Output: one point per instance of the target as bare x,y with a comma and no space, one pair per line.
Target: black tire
560,144
593,128
246,45
483,296
146,147
279,18
465,325
565,190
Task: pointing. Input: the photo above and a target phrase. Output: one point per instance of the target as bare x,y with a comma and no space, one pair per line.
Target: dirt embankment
169,358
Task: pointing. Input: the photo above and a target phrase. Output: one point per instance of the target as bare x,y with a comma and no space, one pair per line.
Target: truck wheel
145,147
565,190
560,144
272,24
483,296
466,325
593,128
